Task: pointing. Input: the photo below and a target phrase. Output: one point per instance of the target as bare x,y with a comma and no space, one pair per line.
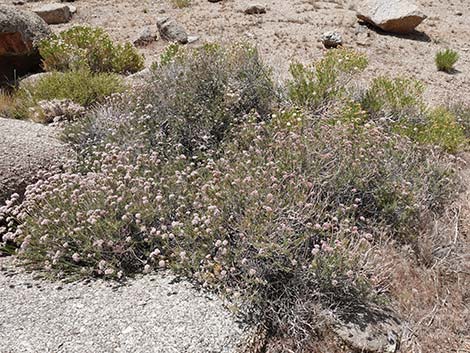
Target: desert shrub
398,105
313,86
195,173
438,127
84,47
280,217
394,98
446,59
81,87
193,99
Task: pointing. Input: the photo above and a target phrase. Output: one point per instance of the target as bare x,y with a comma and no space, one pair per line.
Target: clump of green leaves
446,59
312,86
81,87
84,47
394,97
437,127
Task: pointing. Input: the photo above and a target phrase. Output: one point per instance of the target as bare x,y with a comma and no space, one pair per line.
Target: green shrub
82,87
312,87
446,59
394,98
438,127
83,47
281,217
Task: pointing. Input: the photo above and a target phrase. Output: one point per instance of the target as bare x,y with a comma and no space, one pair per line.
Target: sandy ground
291,29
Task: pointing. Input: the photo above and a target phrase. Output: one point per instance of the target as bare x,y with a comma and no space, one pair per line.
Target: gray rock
54,13
154,313
19,31
144,37
371,329
395,16
172,31
255,9
26,149
331,39
32,79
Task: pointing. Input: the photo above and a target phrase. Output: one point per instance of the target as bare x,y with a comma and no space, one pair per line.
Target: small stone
255,9
145,37
331,39
192,39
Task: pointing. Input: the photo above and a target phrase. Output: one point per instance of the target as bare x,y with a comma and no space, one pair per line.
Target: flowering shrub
279,217
277,212
84,47
312,87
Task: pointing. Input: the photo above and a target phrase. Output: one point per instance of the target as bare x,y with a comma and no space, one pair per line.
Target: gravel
152,313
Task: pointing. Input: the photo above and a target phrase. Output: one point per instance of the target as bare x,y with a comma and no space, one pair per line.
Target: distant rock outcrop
19,30
395,16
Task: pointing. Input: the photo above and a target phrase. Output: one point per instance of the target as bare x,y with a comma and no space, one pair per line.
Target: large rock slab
25,150
19,30
154,313
54,13
395,16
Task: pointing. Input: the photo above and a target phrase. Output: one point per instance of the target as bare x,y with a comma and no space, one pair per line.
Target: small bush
83,47
446,59
438,127
8,105
394,98
311,87
82,87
